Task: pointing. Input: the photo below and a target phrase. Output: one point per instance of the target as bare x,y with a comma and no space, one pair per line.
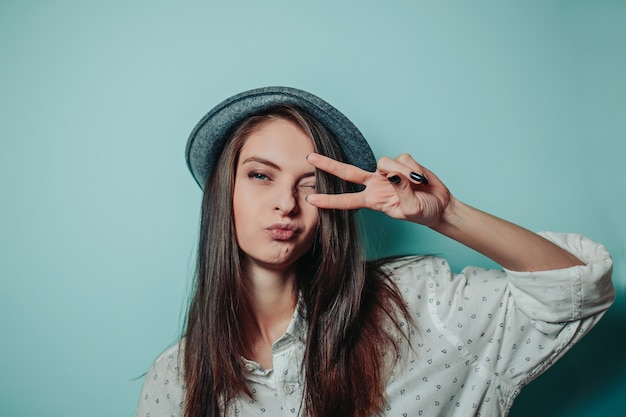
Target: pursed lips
282,231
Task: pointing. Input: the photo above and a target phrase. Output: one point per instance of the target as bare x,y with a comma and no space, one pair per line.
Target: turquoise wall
519,106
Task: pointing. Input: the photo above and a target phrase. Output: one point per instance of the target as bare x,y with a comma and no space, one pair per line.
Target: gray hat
207,139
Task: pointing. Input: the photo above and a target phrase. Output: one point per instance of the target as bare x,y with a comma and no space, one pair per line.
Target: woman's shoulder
396,263
162,391
414,267
170,359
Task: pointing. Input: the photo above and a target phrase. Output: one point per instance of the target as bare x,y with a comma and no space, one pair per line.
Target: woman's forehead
278,138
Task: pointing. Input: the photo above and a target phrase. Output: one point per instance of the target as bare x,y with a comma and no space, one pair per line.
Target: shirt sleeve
568,294
514,325
162,391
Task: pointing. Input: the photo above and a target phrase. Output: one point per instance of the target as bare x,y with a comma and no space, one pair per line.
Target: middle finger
341,170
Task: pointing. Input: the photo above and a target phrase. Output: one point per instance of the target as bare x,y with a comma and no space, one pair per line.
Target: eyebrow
261,161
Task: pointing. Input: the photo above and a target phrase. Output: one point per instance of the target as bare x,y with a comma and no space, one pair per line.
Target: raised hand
400,188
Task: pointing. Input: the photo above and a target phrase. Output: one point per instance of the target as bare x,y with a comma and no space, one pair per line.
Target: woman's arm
395,190
508,244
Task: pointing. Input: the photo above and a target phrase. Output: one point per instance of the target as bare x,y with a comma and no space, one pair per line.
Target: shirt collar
297,328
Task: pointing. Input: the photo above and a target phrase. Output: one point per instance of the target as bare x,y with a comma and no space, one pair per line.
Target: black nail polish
419,178
394,179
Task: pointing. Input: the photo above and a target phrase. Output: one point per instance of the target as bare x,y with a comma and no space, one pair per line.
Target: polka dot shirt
480,336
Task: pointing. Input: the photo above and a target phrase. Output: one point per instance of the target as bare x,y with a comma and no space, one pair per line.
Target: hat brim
208,137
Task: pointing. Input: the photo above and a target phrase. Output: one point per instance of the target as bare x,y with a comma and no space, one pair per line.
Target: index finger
341,170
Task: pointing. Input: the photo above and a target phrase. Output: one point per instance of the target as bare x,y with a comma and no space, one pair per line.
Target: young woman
287,318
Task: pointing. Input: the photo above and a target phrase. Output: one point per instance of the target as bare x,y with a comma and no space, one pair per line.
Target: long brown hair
346,301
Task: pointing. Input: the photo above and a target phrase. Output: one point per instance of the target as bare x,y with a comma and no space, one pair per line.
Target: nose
286,201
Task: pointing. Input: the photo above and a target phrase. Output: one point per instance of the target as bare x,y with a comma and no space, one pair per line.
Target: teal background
519,106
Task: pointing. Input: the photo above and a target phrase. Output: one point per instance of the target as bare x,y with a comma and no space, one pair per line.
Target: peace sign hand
400,188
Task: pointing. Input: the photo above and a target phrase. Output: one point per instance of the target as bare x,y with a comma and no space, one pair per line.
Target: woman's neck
274,298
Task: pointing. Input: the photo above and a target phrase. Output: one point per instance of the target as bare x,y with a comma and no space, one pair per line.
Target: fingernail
419,178
394,179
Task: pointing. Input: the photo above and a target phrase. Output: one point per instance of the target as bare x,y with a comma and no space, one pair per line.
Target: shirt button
288,389
250,367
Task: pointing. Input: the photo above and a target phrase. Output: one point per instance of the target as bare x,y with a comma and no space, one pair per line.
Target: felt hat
208,137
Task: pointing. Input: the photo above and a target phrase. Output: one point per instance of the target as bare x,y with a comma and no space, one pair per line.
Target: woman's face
274,224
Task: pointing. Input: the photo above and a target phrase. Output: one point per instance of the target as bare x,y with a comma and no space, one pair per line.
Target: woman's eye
307,188
258,176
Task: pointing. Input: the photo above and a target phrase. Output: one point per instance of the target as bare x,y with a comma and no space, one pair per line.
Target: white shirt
480,336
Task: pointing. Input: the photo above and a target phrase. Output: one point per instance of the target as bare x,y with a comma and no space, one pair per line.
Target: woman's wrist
450,217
